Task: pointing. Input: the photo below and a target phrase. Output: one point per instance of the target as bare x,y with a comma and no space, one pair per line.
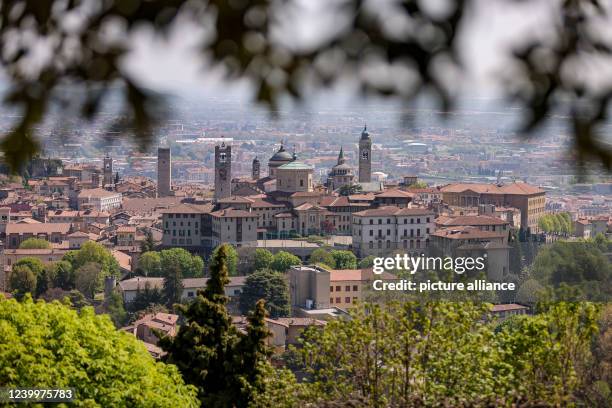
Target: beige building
184,225
99,199
383,230
126,236
235,227
468,241
294,177
530,200
16,233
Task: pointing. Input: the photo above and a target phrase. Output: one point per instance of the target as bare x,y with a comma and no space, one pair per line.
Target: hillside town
281,207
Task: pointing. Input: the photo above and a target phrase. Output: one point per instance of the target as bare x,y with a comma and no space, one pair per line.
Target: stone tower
164,172
256,170
223,171
108,170
365,157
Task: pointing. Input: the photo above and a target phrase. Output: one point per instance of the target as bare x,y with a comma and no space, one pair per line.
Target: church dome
282,156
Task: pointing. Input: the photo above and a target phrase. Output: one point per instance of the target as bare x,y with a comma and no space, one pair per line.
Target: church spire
341,156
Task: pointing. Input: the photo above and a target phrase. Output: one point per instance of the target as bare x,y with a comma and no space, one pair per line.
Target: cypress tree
204,346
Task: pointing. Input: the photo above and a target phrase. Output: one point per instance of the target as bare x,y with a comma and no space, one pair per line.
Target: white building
382,230
99,199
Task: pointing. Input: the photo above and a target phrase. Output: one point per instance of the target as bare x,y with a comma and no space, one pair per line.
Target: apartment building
235,227
482,222
185,225
382,230
99,199
18,232
469,241
529,199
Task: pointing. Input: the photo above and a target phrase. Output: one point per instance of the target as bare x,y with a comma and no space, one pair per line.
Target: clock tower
223,171
108,170
365,157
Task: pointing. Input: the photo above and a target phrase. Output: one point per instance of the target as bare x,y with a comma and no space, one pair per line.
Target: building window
347,300
347,288
189,294
331,288
331,300
338,288
337,300
354,288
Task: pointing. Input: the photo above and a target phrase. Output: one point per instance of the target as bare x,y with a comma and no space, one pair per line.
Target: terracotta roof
40,228
394,193
184,208
235,199
470,220
506,307
191,283
393,211
466,232
232,213
481,188
127,228
97,192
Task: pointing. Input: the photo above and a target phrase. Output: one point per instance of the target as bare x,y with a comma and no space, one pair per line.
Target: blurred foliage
443,354
398,50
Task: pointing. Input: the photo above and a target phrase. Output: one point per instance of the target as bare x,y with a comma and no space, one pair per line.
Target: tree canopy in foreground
50,345
387,48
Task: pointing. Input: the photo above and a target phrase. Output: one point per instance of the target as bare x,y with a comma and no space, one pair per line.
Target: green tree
269,285
262,259
35,264
284,260
367,262
22,280
148,244
446,354
114,307
173,284
92,251
145,298
225,365
35,243
89,279
344,259
149,264
191,266
64,276
321,256
45,279
418,184
203,345
232,259
51,345
579,264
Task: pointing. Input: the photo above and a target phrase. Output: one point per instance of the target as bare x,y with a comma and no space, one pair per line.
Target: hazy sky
489,31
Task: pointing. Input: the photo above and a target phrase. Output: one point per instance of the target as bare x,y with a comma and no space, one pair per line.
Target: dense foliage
269,285
211,353
282,261
49,345
35,243
446,354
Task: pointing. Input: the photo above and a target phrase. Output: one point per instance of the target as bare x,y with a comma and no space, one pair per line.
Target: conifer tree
204,346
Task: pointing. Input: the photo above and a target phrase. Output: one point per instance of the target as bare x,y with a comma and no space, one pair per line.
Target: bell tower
365,157
223,171
108,170
256,169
